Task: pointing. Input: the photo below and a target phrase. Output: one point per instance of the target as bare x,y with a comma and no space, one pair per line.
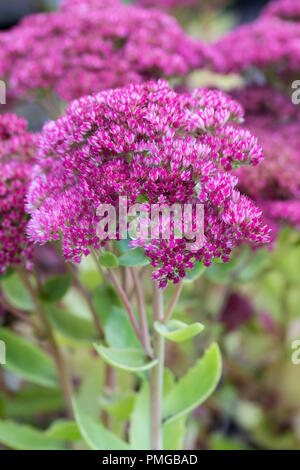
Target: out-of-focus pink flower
269,44
17,148
86,48
237,311
275,183
146,140
288,10
202,5
168,4
86,5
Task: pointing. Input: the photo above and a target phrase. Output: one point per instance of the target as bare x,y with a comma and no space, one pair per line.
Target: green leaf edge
214,348
102,352
125,256
78,413
162,329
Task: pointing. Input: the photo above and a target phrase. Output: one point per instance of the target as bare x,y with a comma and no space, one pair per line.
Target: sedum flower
275,183
86,48
269,44
169,5
146,142
288,10
17,148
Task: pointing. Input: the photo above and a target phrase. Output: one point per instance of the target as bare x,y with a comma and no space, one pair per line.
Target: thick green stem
156,374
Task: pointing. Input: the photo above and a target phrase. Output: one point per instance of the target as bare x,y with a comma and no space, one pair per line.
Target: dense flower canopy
171,5
95,48
161,4
17,148
284,9
89,5
269,44
275,120
145,140
168,4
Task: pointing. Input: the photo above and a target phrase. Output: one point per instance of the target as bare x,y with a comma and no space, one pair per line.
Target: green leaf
220,272
108,260
95,434
88,273
173,433
195,387
16,293
64,429
254,267
118,406
197,271
55,288
123,246
139,431
23,437
178,331
32,400
132,360
91,371
220,442
9,271
71,326
134,258
119,332
28,361
104,299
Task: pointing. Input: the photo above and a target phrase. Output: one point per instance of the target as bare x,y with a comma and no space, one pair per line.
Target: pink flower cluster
168,4
87,5
17,148
275,183
145,140
92,48
201,5
284,9
269,44
159,4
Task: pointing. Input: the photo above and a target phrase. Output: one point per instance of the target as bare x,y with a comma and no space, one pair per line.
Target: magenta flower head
86,5
146,143
269,44
159,4
168,4
17,148
288,10
83,49
275,183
